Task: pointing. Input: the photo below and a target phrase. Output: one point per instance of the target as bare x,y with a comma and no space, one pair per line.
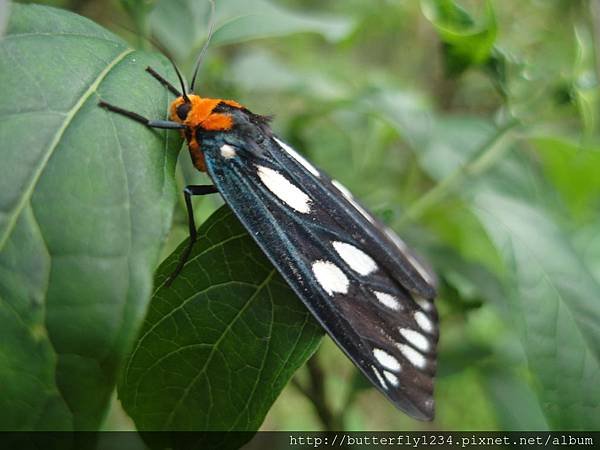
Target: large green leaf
552,295
181,25
85,202
555,301
221,342
515,403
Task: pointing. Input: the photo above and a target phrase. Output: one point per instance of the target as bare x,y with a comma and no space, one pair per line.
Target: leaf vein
259,288
28,191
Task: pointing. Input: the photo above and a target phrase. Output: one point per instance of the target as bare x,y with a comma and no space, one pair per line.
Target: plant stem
485,156
315,392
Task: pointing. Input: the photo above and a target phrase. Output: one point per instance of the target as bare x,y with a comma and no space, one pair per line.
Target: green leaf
139,11
86,199
554,299
515,402
587,243
408,112
552,294
219,345
261,73
262,18
181,25
573,170
466,43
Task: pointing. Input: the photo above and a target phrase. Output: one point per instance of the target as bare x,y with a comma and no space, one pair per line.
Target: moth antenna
164,51
186,99
211,29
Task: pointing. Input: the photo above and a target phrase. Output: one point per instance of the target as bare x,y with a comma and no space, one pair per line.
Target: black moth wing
372,296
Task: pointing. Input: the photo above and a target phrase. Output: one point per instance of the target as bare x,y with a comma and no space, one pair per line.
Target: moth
369,291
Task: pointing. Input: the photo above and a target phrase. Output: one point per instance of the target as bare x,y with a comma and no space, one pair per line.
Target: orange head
198,112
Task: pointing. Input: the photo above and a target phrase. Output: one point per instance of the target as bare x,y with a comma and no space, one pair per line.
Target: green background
469,127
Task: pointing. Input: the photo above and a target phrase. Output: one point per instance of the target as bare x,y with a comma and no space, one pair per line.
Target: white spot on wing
413,356
379,377
228,152
348,195
429,404
330,277
298,157
393,379
424,322
286,191
358,260
386,360
415,338
388,300
425,304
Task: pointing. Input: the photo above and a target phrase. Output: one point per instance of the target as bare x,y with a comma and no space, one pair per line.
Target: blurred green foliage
472,129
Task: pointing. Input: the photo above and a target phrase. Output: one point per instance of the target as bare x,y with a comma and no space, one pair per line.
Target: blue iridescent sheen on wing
372,295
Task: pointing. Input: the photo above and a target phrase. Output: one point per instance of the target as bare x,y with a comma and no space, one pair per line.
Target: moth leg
163,81
165,124
187,193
